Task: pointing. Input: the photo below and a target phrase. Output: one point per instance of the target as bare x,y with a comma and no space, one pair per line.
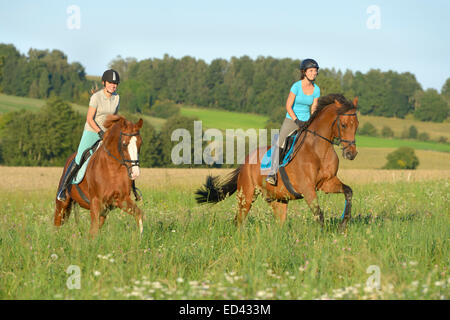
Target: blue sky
412,35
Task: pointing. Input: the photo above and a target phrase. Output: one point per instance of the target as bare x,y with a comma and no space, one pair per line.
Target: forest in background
241,84
156,86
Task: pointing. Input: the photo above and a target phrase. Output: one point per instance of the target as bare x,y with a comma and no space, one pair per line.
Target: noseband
337,140
129,164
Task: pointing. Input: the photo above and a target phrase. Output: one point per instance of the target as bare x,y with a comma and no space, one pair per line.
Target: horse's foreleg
95,216
130,207
313,203
138,217
279,210
62,211
334,185
348,204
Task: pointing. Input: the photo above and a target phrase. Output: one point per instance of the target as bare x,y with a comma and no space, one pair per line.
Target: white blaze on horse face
132,150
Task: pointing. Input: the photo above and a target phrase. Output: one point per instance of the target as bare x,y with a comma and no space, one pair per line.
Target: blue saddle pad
266,161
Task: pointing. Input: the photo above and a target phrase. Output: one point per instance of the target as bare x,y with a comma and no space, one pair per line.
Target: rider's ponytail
94,89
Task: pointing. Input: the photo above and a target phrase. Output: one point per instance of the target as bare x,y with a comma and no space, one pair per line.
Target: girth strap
288,184
82,194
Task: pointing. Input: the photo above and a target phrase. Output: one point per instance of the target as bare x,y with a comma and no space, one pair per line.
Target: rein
123,161
336,141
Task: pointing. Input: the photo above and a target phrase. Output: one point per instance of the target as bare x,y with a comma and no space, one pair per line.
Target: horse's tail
216,188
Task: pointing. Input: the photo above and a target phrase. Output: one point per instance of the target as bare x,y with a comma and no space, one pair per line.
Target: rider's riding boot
272,178
70,173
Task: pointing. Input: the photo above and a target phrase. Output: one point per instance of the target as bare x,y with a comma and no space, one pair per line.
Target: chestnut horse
109,176
313,167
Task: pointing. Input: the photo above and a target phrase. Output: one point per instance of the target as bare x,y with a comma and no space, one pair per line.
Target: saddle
286,154
79,176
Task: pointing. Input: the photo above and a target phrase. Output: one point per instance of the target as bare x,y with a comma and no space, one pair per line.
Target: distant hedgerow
402,158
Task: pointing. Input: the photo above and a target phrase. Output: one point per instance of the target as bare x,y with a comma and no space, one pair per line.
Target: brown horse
109,176
313,167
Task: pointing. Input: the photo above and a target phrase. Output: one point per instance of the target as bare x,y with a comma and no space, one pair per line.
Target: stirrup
272,179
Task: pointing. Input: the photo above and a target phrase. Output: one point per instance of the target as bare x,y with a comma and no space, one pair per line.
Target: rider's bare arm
314,105
90,118
289,103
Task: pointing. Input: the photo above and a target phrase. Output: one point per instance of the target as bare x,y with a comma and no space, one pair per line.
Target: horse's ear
111,119
337,103
140,123
355,102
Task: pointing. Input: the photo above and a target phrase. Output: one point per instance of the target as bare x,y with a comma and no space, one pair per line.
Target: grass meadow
399,235
222,119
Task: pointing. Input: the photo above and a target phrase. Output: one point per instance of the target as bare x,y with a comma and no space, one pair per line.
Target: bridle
123,161
337,140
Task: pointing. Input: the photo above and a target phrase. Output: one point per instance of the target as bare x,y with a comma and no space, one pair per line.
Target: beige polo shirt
105,106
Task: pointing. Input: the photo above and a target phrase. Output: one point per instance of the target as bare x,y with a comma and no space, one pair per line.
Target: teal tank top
302,103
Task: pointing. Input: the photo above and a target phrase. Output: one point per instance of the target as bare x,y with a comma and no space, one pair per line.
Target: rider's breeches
87,140
287,128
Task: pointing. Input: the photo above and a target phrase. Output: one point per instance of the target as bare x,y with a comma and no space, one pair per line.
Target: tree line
241,84
262,86
42,74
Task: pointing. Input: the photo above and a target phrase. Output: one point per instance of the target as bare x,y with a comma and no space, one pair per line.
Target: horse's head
345,129
128,141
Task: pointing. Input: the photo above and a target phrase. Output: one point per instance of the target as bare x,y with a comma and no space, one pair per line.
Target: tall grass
195,252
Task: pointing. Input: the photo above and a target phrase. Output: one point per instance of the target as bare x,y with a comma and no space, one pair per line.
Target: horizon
358,36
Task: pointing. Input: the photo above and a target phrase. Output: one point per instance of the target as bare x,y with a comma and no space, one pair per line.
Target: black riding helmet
111,76
309,63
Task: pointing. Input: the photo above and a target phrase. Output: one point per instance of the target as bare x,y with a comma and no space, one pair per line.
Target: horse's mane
113,123
112,119
329,99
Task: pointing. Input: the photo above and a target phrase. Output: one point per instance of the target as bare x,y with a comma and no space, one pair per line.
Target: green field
435,130
12,103
375,142
220,119
189,251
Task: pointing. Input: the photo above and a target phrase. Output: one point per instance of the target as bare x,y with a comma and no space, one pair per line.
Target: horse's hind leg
334,185
62,211
245,199
279,210
245,193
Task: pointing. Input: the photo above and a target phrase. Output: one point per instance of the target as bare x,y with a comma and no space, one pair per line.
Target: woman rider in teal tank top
301,103
102,103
